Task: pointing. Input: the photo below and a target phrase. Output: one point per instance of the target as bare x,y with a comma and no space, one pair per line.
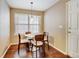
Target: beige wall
4,26
55,24
13,11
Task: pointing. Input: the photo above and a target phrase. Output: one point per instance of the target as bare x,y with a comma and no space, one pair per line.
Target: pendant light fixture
30,17
31,11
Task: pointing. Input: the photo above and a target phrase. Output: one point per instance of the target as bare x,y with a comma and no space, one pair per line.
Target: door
78,26
72,28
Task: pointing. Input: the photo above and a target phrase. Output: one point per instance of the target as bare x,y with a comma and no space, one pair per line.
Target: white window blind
24,23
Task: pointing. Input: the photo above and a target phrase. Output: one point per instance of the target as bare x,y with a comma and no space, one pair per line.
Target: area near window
24,23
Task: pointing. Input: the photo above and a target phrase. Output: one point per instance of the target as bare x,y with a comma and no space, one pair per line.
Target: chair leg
48,44
36,52
18,48
44,49
39,49
39,52
31,50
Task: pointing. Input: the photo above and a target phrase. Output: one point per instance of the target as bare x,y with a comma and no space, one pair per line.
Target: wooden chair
39,42
22,41
46,36
27,32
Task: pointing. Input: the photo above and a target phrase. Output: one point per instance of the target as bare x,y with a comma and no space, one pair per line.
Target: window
24,23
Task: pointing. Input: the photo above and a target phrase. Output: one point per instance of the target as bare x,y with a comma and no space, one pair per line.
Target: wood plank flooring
51,53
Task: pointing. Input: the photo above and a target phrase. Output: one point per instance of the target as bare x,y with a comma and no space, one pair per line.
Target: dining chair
27,32
22,41
38,43
46,36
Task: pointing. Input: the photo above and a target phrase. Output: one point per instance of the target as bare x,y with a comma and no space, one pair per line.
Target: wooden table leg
28,47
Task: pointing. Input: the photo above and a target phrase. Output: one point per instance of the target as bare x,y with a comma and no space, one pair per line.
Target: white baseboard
58,49
6,51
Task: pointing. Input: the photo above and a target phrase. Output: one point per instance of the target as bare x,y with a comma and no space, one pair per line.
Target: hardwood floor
51,53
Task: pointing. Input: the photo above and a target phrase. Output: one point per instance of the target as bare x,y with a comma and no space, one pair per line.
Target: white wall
55,24
4,26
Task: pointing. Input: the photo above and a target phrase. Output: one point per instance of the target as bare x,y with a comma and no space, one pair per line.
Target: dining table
31,37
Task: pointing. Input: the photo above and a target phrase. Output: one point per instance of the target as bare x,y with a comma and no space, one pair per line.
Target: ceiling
40,5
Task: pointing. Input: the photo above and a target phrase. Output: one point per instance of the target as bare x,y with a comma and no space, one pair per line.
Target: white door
78,27
72,28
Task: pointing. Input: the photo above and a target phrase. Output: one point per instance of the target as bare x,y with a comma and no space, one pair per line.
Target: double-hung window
24,23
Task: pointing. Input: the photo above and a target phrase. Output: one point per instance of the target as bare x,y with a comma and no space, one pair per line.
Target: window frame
38,25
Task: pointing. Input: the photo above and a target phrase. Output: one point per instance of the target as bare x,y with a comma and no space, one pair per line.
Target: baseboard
58,49
6,51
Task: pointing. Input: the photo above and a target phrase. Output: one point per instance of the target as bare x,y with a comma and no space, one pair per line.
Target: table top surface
29,36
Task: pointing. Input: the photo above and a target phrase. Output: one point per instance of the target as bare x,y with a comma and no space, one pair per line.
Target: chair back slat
39,37
27,32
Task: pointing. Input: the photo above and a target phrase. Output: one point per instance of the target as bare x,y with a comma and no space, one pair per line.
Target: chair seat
39,43
24,40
